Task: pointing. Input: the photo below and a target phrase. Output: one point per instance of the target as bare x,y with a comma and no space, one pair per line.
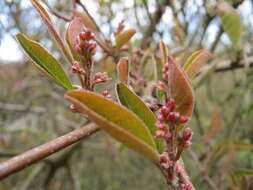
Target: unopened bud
73,108
159,134
183,119
173,116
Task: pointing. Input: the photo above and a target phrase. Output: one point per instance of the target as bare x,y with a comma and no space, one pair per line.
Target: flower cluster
168,114
86,44
119,28
100,77
77,68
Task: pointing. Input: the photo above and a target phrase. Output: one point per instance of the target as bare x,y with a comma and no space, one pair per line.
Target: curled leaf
123,70
44,61
124,37
164,51
119,122
195,61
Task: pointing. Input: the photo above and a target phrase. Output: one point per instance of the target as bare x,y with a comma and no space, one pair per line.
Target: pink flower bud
160,126
171,104
124,48
167,136
161,117
183,119
186,186
106,94
173,116
164,157
164,111
187,134
73,108
159,134
186,144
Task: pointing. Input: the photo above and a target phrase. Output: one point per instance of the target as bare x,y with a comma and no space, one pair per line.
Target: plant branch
36,154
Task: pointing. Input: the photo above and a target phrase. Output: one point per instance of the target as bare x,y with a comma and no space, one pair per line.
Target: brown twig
36,154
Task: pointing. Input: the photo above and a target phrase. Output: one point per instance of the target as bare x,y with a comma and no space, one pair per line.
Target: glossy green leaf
231,21
180,88
119,122
195,61
130,100
44,61
124,37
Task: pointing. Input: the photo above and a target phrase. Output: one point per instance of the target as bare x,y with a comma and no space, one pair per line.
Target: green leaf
130,100
44,61
195,61
231,21
48,22
124,37
180,88
119,122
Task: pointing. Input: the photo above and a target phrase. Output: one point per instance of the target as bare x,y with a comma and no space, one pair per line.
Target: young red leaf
180,88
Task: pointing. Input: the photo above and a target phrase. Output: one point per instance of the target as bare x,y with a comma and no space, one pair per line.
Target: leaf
119,122
44,61
123,70
48,22
195,61
73,30
164,51
124,37
180,89
243,172
86,20
231,21
130,100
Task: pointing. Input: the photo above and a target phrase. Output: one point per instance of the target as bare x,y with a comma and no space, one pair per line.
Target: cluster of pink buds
86,44
165,72
186,138
120,27
100,77
77,68
165,162
167,113
106,94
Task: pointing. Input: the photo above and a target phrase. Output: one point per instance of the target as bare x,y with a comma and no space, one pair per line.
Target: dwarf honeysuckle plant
160,131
